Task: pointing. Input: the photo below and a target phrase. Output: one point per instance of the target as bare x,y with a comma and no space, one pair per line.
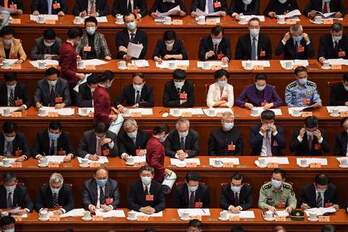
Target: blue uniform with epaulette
297,95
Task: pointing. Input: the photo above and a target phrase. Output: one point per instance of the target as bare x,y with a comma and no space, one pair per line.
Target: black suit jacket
264,48
206,45
88,144
178,49
42,144
42,6
21,198
20,93
127,97
280,8
84,96
252,9
317,5
19,3
90,194
301,149
338,95
166,6
227,197
341,144
126,144
45,198
122,39
82,5
328,51
200,4
120,7
256,139
202,198
19,145
308,195
172,143
137,197
42,93
289,52
171,96
219,140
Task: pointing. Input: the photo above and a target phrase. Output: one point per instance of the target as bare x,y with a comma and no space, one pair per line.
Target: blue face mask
298,38
53,136
101,183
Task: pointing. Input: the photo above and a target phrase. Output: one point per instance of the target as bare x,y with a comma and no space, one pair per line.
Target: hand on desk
21,158
249,106
312,14
106,208
147,210
233,209
68,157
92,208
94,157
181,155
59,106
305,206
61,13
272,14
105,141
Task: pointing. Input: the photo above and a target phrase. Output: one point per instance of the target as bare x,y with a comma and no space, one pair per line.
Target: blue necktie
210,6
49,6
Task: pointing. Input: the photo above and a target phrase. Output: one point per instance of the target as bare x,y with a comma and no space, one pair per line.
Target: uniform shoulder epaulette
268,185
311,83
291,85
287,186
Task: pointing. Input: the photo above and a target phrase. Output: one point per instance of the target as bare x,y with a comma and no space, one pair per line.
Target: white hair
182,121
56,178
129,123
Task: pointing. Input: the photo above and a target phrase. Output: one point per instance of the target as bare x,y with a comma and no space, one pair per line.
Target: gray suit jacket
42,93
99,43
39,50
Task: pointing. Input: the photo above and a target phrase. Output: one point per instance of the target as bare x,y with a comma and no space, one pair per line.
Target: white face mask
132,134
146,180
132,26
276,184
183,134
302,81
48,44
10,139
138,87
192,188
227,126
10,188
260,88
336,38
236,189
282,1
91,30
254,32
55,190
179,85
169,45
222,83
247,2
52,83
9,230
216,41
7,42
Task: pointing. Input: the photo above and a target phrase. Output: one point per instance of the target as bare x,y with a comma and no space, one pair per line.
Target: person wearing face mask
155,152
131,34
13,93
277,194
237,195
169,48
333,45
100,192
138,94
10,47
220,94
93,8
179,92
309,140
226,140
295,44
52,91
339,93
103,110
193,193
14,195
182,142
98,142
93,44
341,147
12,143
51,7
244,7
259,94
195,225
53,141
15,7
254,45
216,46
163,6
302,92
7,224
280,7
319,194
267,139
68,58
146,194
47,46
55,195
85,94
122,7
218,7
315,7
132,140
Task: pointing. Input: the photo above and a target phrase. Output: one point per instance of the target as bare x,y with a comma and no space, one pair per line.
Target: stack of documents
321,161
101,160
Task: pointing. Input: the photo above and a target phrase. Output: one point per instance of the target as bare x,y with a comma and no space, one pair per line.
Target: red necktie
326,8
5,3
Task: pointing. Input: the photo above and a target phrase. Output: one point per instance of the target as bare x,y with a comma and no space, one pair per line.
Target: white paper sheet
194,212
139,159
259,110
320,211
62,112
134,50
55,158
179,163
293,13
74,213
101,160
322,161
142,111
11,109
293,63
110,214
141,63
45,16
10,62
212,112
93,62
326,15
102,19
207,65
242,214
246,18
202,13
80,82
282,213
339,159
10,160
35,63
140,214
173,64
338,61
275,160
339,108
177,112
234,161
263,63
174,11
88,109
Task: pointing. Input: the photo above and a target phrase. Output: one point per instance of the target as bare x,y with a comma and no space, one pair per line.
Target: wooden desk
33,176
157,78
189,32
171,222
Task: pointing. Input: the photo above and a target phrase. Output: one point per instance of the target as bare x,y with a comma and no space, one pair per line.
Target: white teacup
43,214
119,19
248,65
344,162
87,215
335,111
218,163
6,64
84,111
122,64
171,65
296,112
288,64
43,112
281,19
254,111
132,215
167,20
201,19
312,216
130,160
224,215
269,214
6,112
185,215
6,162
79,64
41,19
262,162
42,64
176,112
304,163
211,112
318,19
326,64
206,65
84,161
78,20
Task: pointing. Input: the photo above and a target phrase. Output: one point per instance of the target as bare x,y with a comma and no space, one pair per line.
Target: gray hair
129,123
182,121
56,178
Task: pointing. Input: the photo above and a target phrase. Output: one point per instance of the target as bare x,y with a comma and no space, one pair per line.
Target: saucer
343,166
223,219
84,165
131,219
130,164
334,115
42,115
218,166
86,218
312,220
42,165
325,68
43,219
185,219
269,219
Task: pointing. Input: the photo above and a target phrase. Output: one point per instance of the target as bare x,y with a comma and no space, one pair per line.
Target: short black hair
196,224
150,230
106,76
237,229
128,13
220,73
237,176
7,30
254,19
8,176
7,220
55,125
91,19
279,171
261,76
10,76
160,129
100,127
74,32
146,168
328,228
51,71
93,79
321,179
267,115
179,74
300,69
336,27
345,77
193,176
217,30
49,34
9,127
169,35
138,74
311,122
